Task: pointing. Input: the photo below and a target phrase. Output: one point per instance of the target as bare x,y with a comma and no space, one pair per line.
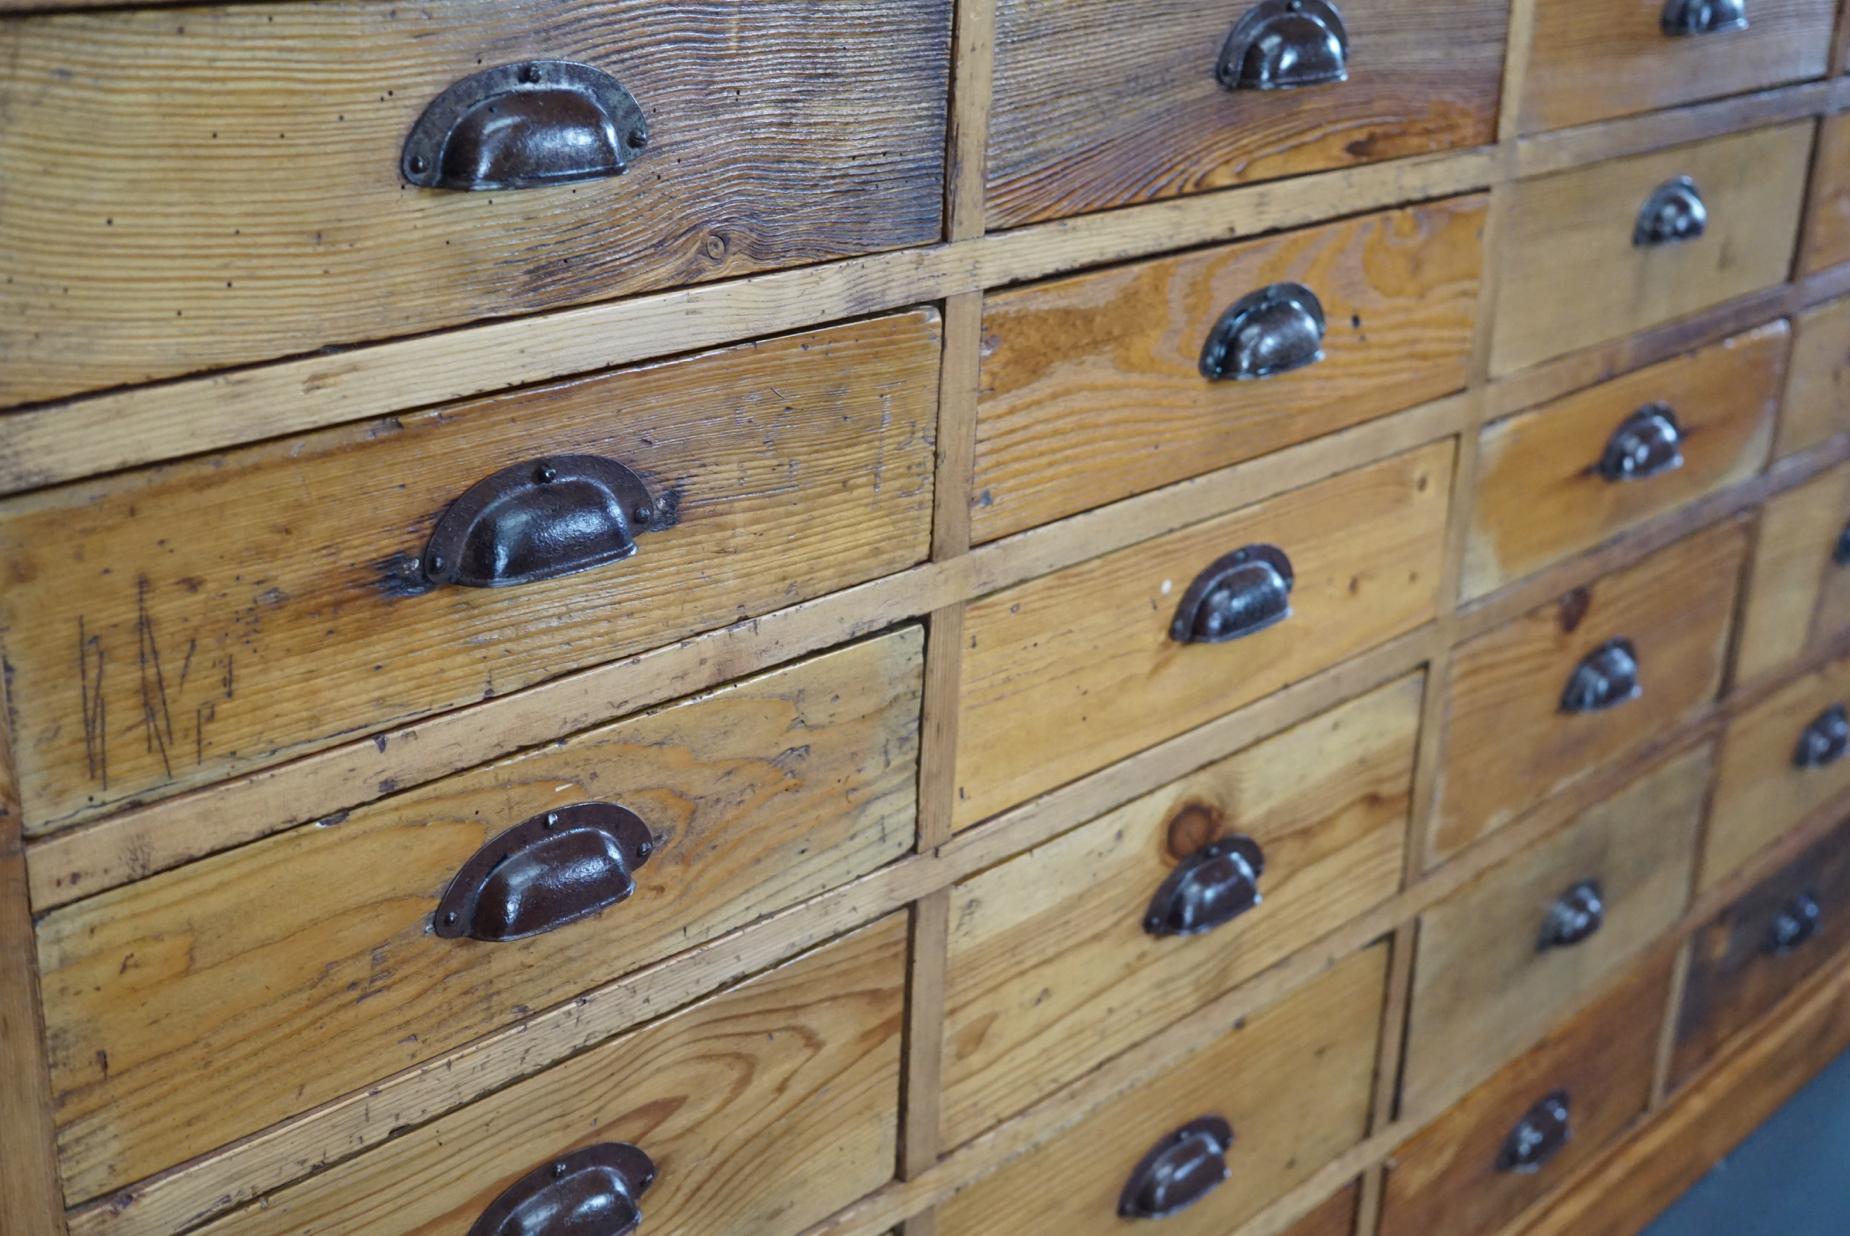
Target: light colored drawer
763,1110
1153,120
1066,673
1500,961
1577,472
1827,224
1093,387
1574,274
1595,59
1579,682
171,626
1069,954
752,798
1798,593
167,215
1817,403
1291,1085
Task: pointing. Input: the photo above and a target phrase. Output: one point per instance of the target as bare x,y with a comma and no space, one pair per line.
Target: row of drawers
167,217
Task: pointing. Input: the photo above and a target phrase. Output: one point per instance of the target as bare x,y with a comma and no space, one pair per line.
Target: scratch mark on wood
95,707
157,721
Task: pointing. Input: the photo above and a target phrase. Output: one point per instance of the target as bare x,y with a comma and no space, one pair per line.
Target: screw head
645,849
449,918
639,138
434,564
552,819
643,514
545,474
419,165
529,73
559,1170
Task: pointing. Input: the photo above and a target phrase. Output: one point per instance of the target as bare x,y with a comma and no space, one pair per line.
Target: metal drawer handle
1179,1171
525,126
539,520
1684,17
1647,443
1840,553
1239,594
1214,885
1284,44
1542,1133
1272,331
548,871
595,1189
1824,740
1605,678
1673,213
1796,923
1575,916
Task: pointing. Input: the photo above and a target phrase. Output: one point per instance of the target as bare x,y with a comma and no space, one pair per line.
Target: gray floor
1790,1178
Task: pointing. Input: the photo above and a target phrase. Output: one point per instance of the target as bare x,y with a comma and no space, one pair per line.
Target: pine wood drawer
1456,1177
1053,966
1572,275
318,946
1751,955
182,217
1153,121
1817,405
1762,790
1827,224
170,626
1579,471
1292,1083
1092,387
764,1109
1798,593
1068,672
1512,736
1492,976
1595,59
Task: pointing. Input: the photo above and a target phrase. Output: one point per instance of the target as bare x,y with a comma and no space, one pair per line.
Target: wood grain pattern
1483,991
1540,497
1827,223
1596,59
1152,122
168,628
1334,1217
1817,403
1796,591
1293,1082
1507,742
1091,386
1051,971
1066,673
315,945
1570,276
764,1108
165,215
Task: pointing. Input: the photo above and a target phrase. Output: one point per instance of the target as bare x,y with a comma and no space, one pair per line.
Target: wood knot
1193,825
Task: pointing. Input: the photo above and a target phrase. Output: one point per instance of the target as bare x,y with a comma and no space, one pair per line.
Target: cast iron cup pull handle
1575,916
551,870
525,126
1840,553
1179,1171
1239,594
539,520
1647,443
1542,1133
1214,885
1674,212
594,1191
1684,17
1272,331
1824,740
1284,44
1796,922
1605,678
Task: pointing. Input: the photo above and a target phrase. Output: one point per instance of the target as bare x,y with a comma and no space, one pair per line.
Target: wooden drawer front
1760,948
235,610
1292,1082
1483,986
168,216
1545,490
764,1109
1572,276
1827,226
1092,387
1066,673
1153,121
1762,791
1334,1217
1798,594
1452,1178
1595,59
758,795
1052,968
1817,405
1510,737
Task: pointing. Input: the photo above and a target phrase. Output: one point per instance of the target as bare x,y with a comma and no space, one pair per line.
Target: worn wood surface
1334,1217
1540,496
1796,591
1091,386
1827,223
1817,403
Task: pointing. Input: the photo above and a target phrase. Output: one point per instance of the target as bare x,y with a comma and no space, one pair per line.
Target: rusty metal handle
1239,594
595,1191
1179,1171
1543,1132
551,870
1285,44
1647,443
1214,885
